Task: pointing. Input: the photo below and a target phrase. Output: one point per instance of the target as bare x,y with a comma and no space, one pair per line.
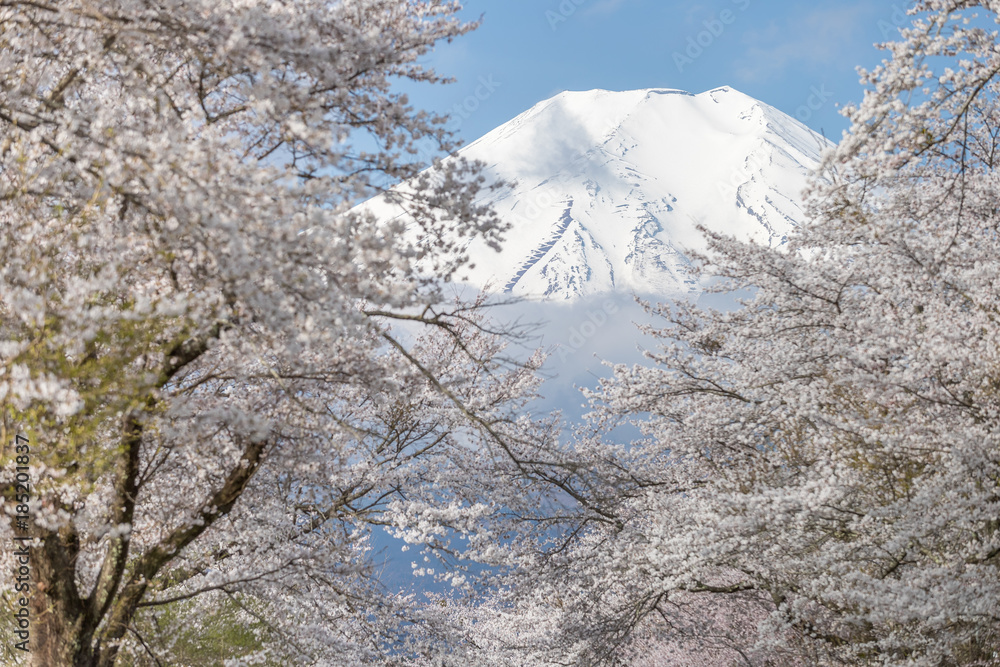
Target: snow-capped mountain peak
609,188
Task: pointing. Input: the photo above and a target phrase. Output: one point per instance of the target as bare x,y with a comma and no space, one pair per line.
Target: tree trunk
60,636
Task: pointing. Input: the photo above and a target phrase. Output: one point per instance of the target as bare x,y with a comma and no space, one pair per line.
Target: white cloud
823,36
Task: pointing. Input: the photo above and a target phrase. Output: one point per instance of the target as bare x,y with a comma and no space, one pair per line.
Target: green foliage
199,634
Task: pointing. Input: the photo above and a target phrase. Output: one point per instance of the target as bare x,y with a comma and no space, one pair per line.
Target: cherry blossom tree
828,451
818,476
230,379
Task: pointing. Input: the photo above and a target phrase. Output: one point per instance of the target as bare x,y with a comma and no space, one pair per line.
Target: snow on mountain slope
609,188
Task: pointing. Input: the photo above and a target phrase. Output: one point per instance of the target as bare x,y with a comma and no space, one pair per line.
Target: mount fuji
608,189
607,192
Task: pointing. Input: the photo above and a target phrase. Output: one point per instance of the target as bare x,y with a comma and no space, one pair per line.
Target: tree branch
150,563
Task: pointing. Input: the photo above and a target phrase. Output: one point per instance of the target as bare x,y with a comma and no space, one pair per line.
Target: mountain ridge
607,189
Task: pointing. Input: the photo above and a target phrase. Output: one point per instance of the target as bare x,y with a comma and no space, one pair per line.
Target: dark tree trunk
60,632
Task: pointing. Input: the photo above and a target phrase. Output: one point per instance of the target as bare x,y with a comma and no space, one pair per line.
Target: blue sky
797,56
